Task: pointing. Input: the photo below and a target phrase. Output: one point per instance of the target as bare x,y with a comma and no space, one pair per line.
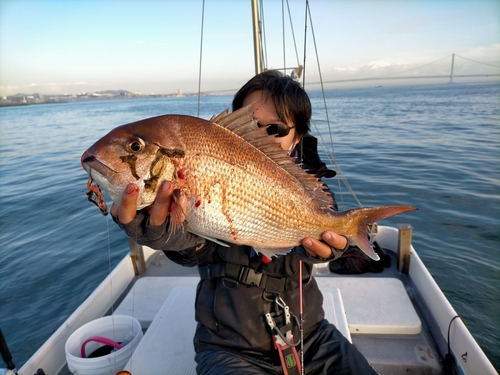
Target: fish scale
242,187
239,202
239,196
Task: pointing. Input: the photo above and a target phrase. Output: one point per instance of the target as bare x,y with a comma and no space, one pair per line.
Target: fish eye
135,145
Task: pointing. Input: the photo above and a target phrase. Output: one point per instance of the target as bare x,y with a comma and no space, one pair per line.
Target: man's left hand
317,248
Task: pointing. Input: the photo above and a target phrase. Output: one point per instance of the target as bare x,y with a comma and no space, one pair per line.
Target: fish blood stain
180,174
233,233
197,204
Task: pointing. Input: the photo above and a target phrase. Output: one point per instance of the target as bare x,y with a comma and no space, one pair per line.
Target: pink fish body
241,186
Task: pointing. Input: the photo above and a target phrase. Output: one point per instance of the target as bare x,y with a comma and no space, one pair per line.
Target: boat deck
374,311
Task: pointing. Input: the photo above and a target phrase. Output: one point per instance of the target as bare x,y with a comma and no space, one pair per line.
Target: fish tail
361,218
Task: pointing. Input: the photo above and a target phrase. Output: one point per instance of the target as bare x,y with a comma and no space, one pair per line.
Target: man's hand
316,248
159,211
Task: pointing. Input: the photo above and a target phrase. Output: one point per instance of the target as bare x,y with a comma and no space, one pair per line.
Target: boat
403,324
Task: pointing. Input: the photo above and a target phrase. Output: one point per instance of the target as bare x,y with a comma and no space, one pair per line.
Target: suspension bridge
398,76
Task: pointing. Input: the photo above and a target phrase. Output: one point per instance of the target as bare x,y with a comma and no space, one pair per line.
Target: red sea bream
241,186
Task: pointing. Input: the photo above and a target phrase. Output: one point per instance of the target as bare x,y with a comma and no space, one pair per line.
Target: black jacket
306,153
230,314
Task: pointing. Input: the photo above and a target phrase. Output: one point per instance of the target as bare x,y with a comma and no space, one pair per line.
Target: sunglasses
278,130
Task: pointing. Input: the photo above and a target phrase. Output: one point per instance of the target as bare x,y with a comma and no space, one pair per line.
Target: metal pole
256,37
404,247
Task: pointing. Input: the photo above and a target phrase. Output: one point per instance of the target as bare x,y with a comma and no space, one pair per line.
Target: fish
241,186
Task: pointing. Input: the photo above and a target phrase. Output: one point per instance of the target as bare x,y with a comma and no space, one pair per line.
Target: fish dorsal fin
242,123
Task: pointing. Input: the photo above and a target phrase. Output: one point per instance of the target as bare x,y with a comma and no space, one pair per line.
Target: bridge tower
452,63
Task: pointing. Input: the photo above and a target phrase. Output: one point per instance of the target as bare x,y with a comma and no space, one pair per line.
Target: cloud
380,67
376,65
44,88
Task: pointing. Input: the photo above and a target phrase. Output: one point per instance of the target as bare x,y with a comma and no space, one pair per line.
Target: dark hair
289,98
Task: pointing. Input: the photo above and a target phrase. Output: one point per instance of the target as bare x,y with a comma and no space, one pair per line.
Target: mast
256,38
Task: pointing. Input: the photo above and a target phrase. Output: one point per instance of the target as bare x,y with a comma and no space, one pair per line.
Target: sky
153,46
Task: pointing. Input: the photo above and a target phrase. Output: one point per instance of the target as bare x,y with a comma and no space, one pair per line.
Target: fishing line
337,167
333,160
262,29
301,304
112,309
308,12
293,33
331,157
109,265
201,54
283,32
341,176
110,280
133,294
301,308
305,46
301,320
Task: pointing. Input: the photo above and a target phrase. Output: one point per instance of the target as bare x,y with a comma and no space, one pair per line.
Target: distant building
17,99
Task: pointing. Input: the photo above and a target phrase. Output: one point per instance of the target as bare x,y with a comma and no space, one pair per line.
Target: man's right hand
158,212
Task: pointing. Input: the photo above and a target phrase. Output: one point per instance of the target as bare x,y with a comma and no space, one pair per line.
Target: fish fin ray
177,213
210,239
216,118
242,123
269,253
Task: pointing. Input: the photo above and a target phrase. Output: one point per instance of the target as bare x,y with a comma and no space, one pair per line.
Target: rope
449,360
449,328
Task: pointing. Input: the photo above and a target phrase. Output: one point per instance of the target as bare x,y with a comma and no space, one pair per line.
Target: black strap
246,275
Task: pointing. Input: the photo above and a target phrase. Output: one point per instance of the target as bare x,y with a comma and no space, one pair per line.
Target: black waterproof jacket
231,313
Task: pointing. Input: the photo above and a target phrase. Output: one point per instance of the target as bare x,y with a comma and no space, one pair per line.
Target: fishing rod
7,358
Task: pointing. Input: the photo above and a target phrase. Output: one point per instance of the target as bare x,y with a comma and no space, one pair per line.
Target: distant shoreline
26,104
22,99
36,99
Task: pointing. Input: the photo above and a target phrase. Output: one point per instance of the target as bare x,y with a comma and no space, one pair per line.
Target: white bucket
122,329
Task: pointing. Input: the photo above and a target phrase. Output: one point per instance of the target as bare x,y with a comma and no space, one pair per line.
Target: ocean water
435,147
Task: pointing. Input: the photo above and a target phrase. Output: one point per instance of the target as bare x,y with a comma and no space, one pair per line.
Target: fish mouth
100,175
90,163
103,175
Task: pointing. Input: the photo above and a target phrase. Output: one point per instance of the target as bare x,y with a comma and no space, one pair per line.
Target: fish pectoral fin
269,253
210,239
177,211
